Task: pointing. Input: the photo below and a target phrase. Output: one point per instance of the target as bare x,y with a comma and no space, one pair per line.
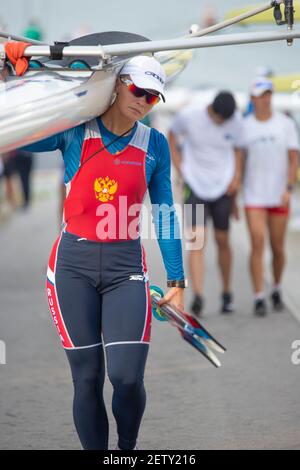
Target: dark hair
224,104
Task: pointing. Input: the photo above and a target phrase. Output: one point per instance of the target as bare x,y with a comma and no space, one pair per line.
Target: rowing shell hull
55,98
45,103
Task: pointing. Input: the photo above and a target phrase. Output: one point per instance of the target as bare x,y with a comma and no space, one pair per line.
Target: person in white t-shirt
206,150
272,146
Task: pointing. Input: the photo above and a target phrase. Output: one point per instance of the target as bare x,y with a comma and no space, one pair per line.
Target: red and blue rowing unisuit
97,243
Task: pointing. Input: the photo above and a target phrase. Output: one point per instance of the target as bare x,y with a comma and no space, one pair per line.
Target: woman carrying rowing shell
97,282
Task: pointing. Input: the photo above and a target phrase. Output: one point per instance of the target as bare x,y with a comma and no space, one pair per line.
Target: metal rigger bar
193,41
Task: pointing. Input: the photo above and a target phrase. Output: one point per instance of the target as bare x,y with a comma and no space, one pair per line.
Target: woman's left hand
286,199
174,296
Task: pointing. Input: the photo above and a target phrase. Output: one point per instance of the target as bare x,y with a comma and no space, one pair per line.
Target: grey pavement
252,402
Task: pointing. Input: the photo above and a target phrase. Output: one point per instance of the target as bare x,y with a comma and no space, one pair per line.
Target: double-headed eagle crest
105,188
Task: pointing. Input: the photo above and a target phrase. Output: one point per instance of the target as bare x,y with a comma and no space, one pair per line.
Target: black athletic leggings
99,298
126,371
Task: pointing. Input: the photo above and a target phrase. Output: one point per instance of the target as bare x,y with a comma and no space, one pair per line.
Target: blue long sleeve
47,145
69,143
163,211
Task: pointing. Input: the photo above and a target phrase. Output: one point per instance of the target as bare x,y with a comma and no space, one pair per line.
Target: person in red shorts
272,149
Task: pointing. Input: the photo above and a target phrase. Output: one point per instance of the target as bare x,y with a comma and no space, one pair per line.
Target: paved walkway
251,402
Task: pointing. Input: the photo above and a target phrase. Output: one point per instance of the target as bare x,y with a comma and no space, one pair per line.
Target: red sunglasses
151,98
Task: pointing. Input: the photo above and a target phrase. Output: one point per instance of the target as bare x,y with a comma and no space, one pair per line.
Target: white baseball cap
260,85
146,72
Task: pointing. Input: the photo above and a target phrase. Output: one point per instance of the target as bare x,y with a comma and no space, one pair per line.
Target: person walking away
9,170
270,172
206,151
24,163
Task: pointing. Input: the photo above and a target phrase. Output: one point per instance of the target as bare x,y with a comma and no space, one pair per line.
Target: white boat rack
54,95
164,45
237,19
193,41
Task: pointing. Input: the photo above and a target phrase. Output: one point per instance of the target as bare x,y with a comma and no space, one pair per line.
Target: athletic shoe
136,447
278,305
227,303
197,305
260,308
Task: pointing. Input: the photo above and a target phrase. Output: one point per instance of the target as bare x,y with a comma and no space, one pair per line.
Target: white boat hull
47,101
43,104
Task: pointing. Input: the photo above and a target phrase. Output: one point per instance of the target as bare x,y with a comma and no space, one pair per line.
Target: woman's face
130,106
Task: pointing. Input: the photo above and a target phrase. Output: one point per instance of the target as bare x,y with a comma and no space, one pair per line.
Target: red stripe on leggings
54,303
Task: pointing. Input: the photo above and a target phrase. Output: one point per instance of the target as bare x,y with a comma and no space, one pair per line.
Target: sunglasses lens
139,92
152,99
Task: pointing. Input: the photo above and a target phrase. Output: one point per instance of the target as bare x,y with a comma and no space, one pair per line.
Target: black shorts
219,210
99,289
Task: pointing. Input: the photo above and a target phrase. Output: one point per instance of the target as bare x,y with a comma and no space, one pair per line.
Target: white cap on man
260,86
146,72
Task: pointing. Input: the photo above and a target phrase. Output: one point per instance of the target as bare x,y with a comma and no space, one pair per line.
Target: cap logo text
154,75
